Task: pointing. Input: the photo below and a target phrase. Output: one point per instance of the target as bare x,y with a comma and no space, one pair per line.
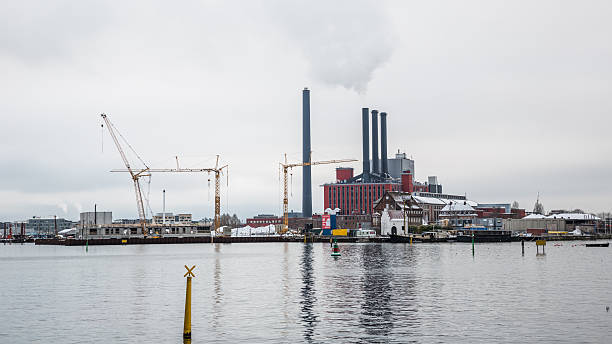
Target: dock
261,239
196,240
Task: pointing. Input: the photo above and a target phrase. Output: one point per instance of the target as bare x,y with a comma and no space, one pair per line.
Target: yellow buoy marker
187,324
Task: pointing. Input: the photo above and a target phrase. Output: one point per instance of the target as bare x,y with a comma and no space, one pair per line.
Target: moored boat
485,236
598,245
399,238
435,236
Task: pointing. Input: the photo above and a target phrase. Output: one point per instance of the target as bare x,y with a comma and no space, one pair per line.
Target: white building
432,203
398,221
96,217
458,214
170,218
392,222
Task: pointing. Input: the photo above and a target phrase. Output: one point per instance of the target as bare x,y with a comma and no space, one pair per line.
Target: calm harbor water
291,292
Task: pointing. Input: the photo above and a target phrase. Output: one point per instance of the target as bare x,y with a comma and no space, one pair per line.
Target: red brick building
264,220
499,212
354,198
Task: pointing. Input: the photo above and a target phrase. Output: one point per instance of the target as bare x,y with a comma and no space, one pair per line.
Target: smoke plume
344,42
63,206
78,207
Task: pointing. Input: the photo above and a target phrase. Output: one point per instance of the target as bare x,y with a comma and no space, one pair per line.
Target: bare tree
230,220
538,208
515,205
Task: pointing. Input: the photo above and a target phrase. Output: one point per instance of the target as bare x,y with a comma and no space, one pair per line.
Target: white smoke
78,206
343,41
63,206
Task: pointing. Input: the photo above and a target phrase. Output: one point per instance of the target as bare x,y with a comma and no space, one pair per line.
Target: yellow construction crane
286,167
216,170
135,175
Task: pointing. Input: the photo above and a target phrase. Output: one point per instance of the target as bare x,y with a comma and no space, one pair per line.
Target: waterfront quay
269,239
196,240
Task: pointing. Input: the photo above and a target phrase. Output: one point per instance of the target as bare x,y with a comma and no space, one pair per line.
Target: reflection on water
286,286
376,311
295,292
218,294
308,298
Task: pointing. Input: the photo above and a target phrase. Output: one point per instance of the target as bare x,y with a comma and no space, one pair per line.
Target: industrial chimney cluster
376,171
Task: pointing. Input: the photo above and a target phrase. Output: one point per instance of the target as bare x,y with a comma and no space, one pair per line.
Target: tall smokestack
306,178
366,144
383,143
375,164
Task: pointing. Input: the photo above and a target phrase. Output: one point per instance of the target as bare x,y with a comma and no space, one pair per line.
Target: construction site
98,227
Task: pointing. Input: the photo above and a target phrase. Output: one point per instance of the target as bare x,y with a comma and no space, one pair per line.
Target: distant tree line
230,220
427,228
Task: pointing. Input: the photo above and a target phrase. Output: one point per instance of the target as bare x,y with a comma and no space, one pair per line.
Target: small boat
399,238
364,235
485,236
598,245
433,237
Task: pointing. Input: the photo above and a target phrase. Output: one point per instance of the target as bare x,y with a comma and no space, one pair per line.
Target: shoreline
261,239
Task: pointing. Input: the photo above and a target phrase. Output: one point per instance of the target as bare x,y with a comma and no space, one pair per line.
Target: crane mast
218,194
286,167
135,176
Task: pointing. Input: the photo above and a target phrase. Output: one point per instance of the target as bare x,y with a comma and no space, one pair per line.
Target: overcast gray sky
499,99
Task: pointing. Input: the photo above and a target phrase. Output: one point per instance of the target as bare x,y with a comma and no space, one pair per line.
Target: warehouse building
539,224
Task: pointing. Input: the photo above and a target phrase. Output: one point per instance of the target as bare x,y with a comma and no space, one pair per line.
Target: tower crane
286,166
135,175
216,170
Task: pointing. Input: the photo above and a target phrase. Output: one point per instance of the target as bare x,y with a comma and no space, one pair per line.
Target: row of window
265,221
112,231
352,198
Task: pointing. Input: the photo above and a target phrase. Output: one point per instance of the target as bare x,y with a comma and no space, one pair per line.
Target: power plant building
356,195
400,164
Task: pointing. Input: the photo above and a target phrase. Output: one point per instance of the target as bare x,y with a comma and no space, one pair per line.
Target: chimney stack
306,177
383,143
366,144
375,161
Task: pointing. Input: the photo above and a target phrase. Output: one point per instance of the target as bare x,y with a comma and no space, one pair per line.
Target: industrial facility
384,198
355,195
